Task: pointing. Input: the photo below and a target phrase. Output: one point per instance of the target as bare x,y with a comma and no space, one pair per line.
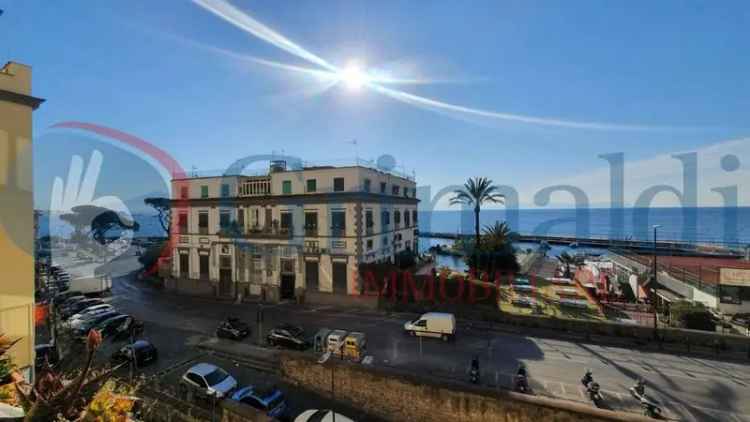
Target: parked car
322,415
433,324
91,311
271,401
86,325
119,327
144,351
289,336
233,329
71,300
46,354
63,297
208,381
78,306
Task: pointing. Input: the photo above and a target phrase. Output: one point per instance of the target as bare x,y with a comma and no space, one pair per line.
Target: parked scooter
474,371
650,407
594,394
521,382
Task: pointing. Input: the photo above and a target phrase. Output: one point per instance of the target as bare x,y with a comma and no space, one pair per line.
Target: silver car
208,381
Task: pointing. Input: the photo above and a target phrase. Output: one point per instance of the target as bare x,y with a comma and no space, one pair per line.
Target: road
690,388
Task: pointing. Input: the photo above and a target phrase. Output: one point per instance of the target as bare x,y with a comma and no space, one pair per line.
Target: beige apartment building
17,213
288,232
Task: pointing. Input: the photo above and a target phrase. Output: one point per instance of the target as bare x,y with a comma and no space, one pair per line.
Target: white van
433,324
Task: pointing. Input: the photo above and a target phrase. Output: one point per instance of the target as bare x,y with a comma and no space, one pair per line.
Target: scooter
474,376
587,379
521,382
650,407
594,395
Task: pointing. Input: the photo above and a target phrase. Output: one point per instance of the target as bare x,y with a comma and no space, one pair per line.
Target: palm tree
476,192
499,234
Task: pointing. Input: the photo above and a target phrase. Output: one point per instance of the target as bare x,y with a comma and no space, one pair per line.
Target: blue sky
679,69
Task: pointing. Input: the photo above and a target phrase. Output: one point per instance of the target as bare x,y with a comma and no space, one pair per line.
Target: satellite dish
386,162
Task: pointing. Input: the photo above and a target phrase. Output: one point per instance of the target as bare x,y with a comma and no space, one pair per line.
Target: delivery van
433,324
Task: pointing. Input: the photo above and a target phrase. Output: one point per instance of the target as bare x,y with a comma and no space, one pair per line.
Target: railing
202,230
311,248
369,230
258,232
311,231
338,231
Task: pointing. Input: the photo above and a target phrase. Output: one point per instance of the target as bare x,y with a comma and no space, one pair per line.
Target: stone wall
161,407
190,287
398,396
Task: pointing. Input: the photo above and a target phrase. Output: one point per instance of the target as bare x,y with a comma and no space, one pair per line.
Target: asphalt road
689,388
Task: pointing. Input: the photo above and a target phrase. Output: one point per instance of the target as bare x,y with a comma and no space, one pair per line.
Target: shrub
691,315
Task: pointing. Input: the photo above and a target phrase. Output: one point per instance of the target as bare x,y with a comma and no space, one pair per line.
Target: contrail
245,22
431,104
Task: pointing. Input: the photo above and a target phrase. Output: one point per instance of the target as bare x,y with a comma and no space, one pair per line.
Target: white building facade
289,232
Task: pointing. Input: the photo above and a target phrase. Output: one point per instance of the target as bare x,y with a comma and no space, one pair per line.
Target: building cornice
21,99
308,198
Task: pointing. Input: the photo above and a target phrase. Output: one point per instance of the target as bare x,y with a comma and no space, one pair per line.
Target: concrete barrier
398,396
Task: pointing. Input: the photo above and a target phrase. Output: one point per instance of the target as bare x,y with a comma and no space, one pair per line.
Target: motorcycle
474,371
594,395
650,407
521,382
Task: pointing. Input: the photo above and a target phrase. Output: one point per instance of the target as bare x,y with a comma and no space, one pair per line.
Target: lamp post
654,280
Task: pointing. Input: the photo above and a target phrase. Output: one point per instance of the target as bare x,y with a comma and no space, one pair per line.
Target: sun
353,76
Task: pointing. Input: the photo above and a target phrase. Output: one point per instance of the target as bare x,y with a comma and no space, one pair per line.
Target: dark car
233,329
46,354
92,322
144,352
78,306
119,327
61,298
289,336
269,401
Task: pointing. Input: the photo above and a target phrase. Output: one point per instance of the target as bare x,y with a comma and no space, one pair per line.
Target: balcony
311,247
257,232
202,230
369,230
338,231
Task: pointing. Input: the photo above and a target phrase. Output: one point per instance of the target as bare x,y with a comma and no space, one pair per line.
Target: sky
526,93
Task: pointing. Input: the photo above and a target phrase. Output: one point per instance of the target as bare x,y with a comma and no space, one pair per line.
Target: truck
91,285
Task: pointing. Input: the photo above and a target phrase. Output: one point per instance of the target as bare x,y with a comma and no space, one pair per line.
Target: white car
208,381
433,324
321,415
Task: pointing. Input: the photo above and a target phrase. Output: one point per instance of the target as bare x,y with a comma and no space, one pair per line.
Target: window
286,187
204,191
406,192
312,185
225,217
184,192
386,218
367,185
414,216
224,190
338,222
286,220
241,217
382,187
338,184
368,219
407,244
396,189
407,219
197,380
397,217
385,241
203,222
369,244
311,220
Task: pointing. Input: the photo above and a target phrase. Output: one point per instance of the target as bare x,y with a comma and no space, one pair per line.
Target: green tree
476,192
499,234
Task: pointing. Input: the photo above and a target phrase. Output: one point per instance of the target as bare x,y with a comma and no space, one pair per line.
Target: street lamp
654,280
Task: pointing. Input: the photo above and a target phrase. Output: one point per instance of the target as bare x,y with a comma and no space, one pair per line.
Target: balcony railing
202,230
338,231
257,232
369,230
312,248
311,231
